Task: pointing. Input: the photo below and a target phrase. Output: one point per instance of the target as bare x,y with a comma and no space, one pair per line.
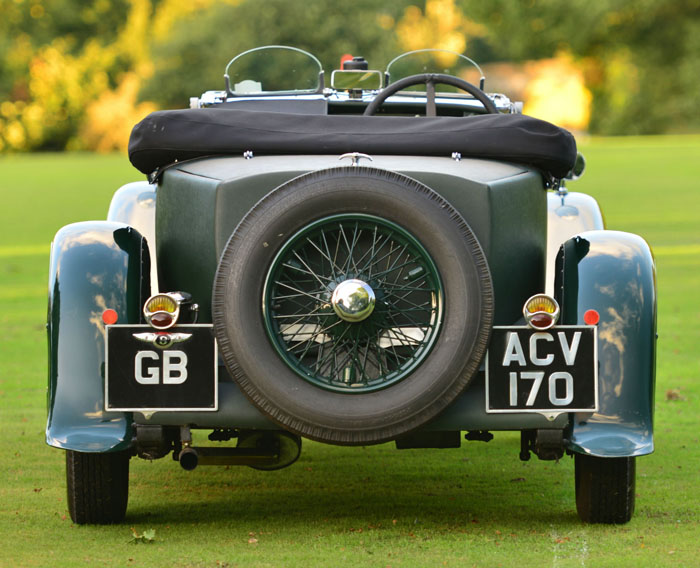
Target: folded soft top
164,137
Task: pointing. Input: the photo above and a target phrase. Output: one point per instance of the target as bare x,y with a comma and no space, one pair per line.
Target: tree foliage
641,58
77,74
59,56
71,71
192,58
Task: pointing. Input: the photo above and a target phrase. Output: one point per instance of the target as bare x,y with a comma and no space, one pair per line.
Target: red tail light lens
162,320
541,321
591,317
110,316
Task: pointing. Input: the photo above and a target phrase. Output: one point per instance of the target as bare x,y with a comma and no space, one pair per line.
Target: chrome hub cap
353,300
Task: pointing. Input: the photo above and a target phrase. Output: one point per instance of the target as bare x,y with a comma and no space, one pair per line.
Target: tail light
541,311
163,310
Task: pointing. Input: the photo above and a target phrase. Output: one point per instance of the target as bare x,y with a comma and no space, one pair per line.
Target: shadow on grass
439,489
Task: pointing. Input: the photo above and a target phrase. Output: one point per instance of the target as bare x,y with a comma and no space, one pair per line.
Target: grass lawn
475,506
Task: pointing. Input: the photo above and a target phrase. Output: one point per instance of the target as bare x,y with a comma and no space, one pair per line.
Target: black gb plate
550,371
150,370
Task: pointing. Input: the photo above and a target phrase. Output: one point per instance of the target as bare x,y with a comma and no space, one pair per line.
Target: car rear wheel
98,486
604,489
352,305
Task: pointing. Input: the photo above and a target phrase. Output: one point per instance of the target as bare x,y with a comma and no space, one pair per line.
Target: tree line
76,75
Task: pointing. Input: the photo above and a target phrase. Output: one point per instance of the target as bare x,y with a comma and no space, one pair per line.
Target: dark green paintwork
94,266
613,273
505,205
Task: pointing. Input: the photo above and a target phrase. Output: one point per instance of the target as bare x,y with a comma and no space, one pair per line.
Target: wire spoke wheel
353,303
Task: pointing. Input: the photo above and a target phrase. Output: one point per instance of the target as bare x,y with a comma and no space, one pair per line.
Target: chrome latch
355,157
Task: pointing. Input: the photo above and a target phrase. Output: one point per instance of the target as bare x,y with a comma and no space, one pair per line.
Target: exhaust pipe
188,458
260,450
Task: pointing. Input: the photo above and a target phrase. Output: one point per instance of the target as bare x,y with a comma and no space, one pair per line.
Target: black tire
604,489
98,486
373,414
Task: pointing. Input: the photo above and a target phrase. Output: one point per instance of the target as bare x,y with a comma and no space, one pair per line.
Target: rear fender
94,266
613,273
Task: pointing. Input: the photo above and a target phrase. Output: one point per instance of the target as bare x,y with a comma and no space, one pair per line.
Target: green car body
174,234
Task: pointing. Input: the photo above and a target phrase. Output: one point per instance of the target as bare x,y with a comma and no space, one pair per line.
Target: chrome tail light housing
162,310
541,311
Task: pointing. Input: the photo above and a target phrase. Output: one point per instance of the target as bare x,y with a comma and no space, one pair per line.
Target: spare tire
352,305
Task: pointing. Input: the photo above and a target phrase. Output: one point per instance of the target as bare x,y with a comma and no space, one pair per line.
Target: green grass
478,505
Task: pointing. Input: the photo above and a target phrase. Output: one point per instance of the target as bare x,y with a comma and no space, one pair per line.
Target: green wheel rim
353,303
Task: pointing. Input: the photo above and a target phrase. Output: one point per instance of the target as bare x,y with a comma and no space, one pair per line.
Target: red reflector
110,317
541,321
591,317
161,319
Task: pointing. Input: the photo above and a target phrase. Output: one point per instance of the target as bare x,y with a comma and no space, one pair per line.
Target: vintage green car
354,264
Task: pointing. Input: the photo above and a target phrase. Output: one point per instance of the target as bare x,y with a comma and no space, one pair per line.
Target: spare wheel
352,305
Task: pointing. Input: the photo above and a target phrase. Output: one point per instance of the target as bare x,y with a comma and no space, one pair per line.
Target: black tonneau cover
164,137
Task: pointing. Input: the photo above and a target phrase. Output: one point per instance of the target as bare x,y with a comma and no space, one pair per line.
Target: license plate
149,370
551,371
